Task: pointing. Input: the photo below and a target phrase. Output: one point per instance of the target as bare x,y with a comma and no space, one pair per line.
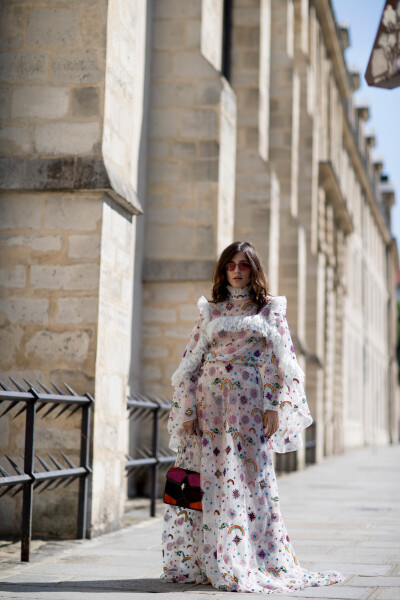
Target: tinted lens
243,266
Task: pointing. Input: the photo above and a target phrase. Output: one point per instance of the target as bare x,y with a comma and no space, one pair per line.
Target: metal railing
29,478
287,462
311,443
141,409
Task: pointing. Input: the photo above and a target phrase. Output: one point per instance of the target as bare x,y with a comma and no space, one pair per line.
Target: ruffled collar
243,292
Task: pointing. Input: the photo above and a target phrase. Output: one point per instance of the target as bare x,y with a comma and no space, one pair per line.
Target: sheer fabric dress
239,542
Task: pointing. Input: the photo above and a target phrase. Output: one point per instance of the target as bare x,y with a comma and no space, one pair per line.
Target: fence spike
46,389
16,467
49,411
68,461
46,486
34,469
40,406
63,409
18,489
71,391
29,383
4,492
39,484
5,387
55,484
58,465
58,483
141,413
43,463
58,390
74,410
71,480
4,472
18,385
21,410
10,407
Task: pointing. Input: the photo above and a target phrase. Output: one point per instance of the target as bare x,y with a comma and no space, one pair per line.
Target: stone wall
50,255
110,427
49,279
257,187
65,309
66,277
190,187
52,88
124,110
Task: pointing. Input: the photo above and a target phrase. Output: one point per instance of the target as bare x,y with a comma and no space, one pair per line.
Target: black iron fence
142,409
311,443
287,462
36,474
41,401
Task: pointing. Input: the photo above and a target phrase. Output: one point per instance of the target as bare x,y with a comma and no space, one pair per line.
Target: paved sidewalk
342,515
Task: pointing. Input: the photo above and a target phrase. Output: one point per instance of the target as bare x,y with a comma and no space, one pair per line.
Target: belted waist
235,362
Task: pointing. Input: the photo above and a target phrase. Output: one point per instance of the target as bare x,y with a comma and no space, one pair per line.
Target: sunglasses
243,265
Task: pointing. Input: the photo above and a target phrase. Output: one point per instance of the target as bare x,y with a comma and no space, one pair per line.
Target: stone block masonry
52,78
63,317
66,258
169,317
49,255
48,327
112,366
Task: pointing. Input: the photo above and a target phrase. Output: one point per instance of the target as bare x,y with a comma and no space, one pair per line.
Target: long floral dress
239,542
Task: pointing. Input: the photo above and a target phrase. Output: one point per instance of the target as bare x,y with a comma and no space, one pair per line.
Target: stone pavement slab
342,515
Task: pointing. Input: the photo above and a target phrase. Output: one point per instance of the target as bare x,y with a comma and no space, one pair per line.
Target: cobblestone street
342,515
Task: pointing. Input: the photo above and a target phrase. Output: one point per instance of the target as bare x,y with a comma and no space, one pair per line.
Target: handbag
182,488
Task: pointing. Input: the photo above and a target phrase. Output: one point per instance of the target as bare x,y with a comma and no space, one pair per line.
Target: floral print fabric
239,541
233,333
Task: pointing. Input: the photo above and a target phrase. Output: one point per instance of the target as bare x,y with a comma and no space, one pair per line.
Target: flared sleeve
184,379
284,381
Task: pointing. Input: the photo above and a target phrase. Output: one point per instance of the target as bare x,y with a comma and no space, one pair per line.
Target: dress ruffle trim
287,360
243,292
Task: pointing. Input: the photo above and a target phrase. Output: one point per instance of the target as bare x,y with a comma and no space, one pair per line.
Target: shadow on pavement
108,585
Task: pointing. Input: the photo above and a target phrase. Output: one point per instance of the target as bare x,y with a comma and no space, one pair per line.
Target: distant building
138,140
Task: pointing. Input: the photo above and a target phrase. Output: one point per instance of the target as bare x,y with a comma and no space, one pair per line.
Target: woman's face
238,270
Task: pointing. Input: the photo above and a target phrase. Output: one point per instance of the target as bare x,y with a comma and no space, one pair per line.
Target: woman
225,422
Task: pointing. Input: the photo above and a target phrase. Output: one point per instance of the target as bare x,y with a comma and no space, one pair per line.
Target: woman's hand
190,426
270,422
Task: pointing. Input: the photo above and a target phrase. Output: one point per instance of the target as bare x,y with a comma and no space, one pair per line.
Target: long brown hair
258,280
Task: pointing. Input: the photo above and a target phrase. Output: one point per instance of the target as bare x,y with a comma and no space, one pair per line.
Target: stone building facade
138,140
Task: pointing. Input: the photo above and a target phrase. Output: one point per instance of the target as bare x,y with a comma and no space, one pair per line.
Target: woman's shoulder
204,308
276,300
274,303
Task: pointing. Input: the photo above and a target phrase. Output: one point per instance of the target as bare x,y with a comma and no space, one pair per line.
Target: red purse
182,488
